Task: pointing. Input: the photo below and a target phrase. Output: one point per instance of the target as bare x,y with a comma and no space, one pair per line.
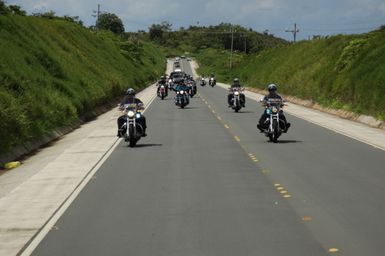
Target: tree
157,30
110,21
15,9
3,8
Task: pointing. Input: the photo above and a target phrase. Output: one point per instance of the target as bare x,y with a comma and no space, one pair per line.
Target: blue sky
313,17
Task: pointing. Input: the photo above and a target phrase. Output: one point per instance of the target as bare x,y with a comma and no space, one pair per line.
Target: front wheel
276,131
132,139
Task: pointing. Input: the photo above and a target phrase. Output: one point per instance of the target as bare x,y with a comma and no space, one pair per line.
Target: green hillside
53,71
343,72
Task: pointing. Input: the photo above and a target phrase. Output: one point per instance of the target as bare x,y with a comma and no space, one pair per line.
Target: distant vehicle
177,76
183,57
177,59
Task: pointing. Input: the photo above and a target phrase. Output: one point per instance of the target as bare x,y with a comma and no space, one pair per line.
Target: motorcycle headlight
131,114
181,92
236,93
274,110
138,115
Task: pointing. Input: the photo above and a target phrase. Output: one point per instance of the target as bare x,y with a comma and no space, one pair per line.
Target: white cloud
259,14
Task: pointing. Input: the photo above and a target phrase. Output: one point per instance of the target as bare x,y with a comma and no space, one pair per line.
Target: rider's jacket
129,99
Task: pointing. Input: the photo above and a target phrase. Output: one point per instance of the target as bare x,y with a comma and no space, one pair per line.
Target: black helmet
130,91
236,80
272,87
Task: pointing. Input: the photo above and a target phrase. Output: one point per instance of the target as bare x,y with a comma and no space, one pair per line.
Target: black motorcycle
132,130
203,82
274,126
212,82
182,98
236,99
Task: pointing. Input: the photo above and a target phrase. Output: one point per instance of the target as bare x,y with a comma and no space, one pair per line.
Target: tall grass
54,71
343,72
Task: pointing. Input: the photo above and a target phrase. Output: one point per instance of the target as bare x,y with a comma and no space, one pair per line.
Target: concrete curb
363,119
20,151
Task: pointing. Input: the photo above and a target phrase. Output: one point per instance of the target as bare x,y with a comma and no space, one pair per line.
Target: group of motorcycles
185,88
182,84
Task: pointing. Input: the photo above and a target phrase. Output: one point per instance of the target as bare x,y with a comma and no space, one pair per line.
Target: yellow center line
213,111
226,126
307,218
287,196
219,118
277,185
334,250
237,138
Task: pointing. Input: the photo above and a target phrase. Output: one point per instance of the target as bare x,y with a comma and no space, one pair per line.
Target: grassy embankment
342,72
53,72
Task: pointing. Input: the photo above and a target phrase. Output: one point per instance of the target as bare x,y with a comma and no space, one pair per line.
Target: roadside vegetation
342,72
54,71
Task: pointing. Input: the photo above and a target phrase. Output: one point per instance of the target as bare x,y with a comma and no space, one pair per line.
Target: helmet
130,91
272,87
236,80
162,77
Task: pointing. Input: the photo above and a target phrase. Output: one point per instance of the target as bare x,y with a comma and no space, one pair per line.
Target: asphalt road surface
206,182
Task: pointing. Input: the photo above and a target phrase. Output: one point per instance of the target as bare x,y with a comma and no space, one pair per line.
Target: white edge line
34,243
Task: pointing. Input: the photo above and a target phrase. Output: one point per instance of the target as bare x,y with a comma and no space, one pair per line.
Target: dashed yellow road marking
209,106
277,185
219,118
226,126
237,138
255,160
334,250
213,111
280,188
287,196
251,155
307,218
283,192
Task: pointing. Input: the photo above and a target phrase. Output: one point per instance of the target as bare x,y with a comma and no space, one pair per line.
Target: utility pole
295,31
96,15
232,44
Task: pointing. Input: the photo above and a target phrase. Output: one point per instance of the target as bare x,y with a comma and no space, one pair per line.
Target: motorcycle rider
181,86
230,97
163,82
272,88
131,99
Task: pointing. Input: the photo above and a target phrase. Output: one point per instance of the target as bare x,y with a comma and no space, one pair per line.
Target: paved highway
205,182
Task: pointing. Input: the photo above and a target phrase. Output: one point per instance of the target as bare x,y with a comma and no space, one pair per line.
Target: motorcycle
132,131
203,82
236,99
162,92
212,82
274,125
193,89
182,98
